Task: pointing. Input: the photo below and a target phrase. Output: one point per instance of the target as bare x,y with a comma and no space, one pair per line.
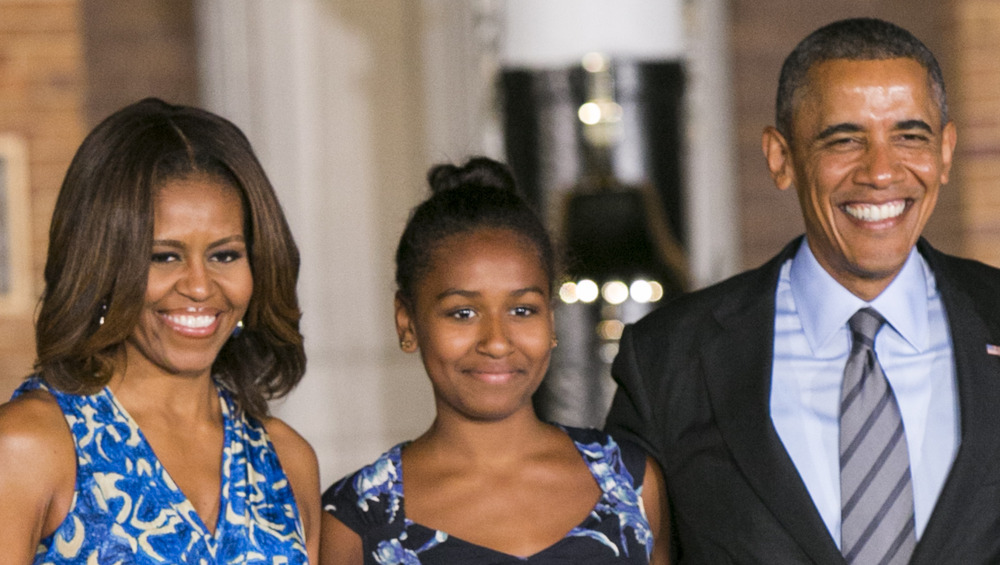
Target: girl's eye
164,257
463,313
524,311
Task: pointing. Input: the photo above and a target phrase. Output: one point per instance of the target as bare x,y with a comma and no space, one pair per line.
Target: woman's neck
144,389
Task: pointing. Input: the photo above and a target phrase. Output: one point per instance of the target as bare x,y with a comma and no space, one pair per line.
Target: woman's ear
778,154
404,325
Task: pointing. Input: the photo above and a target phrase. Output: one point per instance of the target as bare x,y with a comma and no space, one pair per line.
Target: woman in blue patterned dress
489,483
169,318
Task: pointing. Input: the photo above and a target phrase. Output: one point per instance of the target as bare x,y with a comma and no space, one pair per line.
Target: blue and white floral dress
127,510
370,502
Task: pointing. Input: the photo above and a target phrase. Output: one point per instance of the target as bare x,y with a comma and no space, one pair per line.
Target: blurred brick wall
64,66
41,101
138,49
763,33
977,109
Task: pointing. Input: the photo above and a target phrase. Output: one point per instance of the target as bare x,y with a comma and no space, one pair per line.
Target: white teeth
195,322
873,213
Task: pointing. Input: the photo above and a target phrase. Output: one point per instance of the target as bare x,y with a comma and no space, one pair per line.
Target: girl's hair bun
480,172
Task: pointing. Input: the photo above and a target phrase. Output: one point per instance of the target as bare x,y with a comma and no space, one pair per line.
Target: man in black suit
736,389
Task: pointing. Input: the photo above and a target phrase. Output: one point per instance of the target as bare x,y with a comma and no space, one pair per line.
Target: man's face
867,156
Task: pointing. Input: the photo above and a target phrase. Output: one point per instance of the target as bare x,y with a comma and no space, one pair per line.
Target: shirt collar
824,306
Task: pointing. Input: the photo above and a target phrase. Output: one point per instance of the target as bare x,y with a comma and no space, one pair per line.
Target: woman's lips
190,324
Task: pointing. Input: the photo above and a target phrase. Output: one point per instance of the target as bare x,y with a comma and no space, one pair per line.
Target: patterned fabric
875,485
127,510
371,503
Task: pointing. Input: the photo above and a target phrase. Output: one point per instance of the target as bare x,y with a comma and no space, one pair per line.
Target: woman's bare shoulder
37,470
34,424
292,448
302,468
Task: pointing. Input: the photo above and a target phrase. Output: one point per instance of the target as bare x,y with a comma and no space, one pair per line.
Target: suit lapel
738,376
978,378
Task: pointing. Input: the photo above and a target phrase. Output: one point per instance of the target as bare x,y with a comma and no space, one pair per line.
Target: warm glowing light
567,293
586,290
608,352
657,289
594,62
614,292
641,291
610,330
590,113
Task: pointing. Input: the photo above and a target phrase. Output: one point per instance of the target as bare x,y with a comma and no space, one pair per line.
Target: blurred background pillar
330,94
596,125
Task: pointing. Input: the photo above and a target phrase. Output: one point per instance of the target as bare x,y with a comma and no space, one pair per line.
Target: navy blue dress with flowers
370,502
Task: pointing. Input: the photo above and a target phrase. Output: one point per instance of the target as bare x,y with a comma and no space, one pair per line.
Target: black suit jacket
694,386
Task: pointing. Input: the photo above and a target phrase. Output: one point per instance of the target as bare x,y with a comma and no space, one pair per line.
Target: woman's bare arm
37,473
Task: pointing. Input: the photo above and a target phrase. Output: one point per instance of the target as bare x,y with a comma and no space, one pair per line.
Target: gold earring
555,341
405,344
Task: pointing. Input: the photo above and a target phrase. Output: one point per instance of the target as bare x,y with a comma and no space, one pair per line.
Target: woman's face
482,320
199,278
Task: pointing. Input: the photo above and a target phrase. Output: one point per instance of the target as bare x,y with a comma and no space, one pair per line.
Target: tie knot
866,323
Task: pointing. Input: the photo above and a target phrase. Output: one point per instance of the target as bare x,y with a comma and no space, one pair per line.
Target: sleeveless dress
371,503
127,509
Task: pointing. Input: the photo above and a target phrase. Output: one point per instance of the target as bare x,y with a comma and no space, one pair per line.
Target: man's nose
880,167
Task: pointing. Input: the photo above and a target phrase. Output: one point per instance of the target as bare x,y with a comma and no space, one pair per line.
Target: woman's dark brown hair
100,243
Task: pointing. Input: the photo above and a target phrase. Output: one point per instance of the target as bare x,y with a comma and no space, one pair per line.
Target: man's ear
404,325
949,138
778,154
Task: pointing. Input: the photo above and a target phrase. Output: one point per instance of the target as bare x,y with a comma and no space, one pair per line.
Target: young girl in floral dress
489,482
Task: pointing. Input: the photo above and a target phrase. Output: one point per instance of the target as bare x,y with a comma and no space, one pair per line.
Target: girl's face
482,319
199,283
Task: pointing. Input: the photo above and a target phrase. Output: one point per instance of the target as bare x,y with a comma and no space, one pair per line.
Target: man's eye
843,141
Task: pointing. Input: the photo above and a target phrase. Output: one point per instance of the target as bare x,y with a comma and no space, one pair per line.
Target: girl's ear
404,325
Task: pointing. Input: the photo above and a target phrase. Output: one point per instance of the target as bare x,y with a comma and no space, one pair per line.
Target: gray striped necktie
876,495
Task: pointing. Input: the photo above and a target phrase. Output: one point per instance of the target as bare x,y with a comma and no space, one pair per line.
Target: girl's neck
492,441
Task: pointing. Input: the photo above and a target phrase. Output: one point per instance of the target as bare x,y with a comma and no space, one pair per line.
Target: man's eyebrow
915,124
838,128
848,127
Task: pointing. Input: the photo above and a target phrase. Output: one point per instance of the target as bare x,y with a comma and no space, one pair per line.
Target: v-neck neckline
396,458
179,500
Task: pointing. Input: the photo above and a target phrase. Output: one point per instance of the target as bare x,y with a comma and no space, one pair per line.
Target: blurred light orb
657,291
589,113
614,292
608,351
568,293
610,330
641,291
594,62
587,291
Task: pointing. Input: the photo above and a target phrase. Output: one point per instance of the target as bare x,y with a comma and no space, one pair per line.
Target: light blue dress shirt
811,345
